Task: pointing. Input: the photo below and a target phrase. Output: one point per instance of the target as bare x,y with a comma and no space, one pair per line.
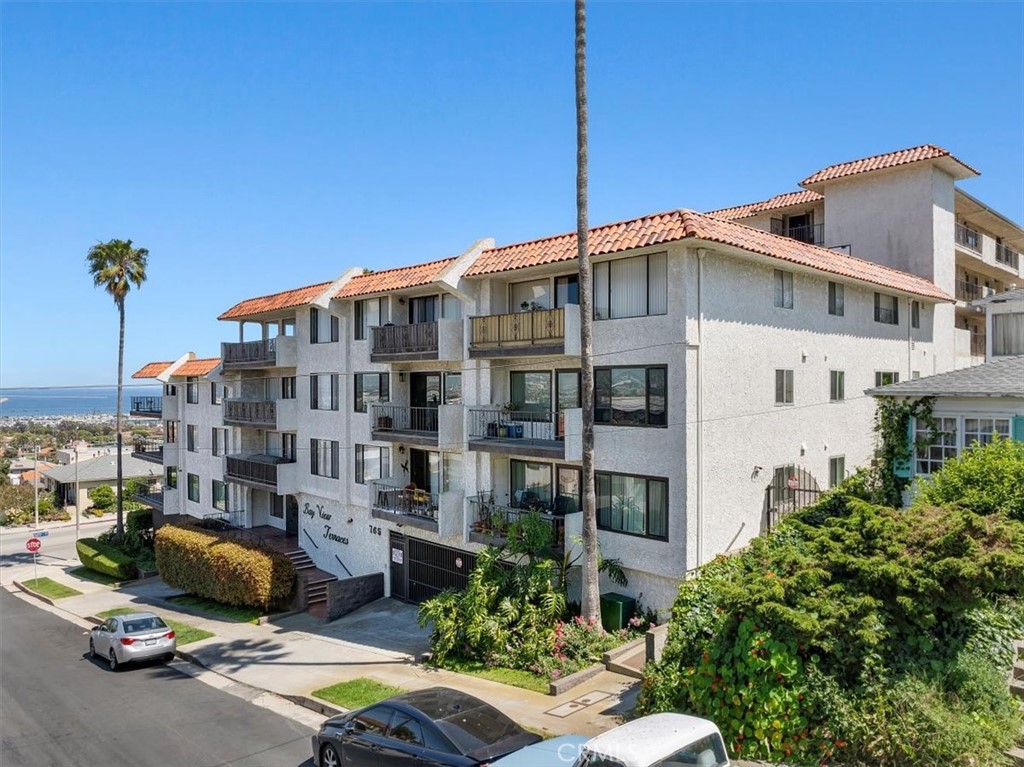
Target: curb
36,594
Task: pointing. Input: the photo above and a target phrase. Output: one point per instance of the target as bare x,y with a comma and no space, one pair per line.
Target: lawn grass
85,574
233,612
50,588
509,676
182,631
357,693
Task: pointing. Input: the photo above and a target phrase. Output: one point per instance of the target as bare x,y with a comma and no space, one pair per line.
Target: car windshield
476,728
139,625
590,759
706,752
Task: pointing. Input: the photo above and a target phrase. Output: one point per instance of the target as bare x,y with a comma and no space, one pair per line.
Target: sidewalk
294,655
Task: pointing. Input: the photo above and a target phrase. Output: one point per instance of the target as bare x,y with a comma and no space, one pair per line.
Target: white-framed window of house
887,309
631,287
216,393
982,430
931,452
288,387
324,393
886,377
451,472
193,488
453,388
219,441
836,299
323,326
191,441
372,462
323,457
170,477
1007,334
192,390
836,385
370,389
451,307
529,295
836,470
631,504
368,313
783,281
631,396
219,494
915,314
783,387
171,432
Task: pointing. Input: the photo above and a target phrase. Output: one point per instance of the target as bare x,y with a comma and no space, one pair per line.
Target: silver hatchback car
129,638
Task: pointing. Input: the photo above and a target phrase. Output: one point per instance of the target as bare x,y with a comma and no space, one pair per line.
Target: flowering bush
579,643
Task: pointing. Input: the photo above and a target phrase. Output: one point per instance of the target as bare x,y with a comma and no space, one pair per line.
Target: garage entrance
421,569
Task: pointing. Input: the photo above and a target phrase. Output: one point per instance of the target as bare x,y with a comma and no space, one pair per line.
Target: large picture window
323,458
1007,334
372,463
627,396
370,389
633,505
531,391
631,287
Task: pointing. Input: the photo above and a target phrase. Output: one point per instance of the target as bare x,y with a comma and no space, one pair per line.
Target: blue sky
258,147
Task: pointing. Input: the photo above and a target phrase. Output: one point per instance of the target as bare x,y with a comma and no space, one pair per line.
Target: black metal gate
421,569
792,488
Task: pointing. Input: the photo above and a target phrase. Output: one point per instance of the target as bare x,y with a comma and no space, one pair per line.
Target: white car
658,740
133,637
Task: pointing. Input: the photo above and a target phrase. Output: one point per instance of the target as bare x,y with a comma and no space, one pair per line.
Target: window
915,374
323,458
216,393
192,390
783,387
171,476
193,488
915,314
634,505
886,377
372,463
374,720
288,446
1007,334
369,313
422,309
453,388
630,396
190,438
451,472
931,454
981,430
288,327
218,441
836,299
406,730
323,391
631,287
836,385
288,387
323,326
887,309
783,289
567,290
836,470
277,506
529,296
531,391
170,390
371,388
220,495
530,484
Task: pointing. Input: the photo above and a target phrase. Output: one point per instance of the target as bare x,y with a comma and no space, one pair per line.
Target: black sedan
439,727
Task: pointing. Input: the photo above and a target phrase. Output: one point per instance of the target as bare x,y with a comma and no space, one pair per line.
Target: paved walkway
295,655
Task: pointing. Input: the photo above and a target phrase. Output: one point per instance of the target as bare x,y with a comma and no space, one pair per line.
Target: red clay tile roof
252,307
394,279
678,225
152,369
198,367
880,161
773,203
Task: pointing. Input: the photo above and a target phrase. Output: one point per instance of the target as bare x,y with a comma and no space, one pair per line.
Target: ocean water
56,402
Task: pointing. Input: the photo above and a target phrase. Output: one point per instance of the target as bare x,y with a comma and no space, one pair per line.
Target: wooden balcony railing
146,406
241,412
249,353
405,339
259,469
388,496
399,418
524,329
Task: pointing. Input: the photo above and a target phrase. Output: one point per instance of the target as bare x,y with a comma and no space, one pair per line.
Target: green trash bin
616,610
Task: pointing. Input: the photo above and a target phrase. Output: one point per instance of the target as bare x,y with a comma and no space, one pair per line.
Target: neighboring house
83,451
94,472
33,475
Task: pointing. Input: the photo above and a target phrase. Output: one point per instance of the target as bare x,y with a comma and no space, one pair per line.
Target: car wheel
92,650
329,757
114,665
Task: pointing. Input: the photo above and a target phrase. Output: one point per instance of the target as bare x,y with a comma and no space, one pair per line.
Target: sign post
33,545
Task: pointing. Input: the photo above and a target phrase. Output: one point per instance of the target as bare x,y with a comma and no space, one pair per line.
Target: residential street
59,707
58,546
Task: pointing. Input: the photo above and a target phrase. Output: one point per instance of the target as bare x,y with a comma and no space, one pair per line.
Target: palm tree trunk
120,394
590,598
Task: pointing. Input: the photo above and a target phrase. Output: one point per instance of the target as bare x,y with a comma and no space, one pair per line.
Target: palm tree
115,266
590,598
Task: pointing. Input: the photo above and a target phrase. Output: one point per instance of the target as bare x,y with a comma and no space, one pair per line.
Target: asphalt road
58,547
57,707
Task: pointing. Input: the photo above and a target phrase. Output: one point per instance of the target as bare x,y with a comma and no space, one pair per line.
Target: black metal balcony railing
523,329
969,291
399,418
529,426
148,449
258,469
390,497
249,353
147,406
494,519
1007,255
968,237
242,412
405,339
813,234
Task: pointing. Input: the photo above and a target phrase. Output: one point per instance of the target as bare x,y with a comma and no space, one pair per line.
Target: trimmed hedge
105,559
228,571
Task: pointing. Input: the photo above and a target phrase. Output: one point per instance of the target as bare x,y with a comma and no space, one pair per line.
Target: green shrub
103,497
985,480
227,571
104,558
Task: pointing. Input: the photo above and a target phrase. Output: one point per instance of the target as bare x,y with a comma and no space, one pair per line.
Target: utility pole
78,504
35,481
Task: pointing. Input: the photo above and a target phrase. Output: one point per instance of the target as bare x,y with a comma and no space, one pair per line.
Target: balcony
398,423
258,471
261,414
415,508
148,450
517,432
812,234
524,334
999,256
969,291
249,354
490,522
969,238
146,407
1007,256
155,500
395,343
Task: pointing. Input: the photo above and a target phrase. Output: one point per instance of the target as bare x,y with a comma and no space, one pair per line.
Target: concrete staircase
313,583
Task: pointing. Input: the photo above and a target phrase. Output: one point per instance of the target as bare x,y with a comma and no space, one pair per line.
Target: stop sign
33,545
